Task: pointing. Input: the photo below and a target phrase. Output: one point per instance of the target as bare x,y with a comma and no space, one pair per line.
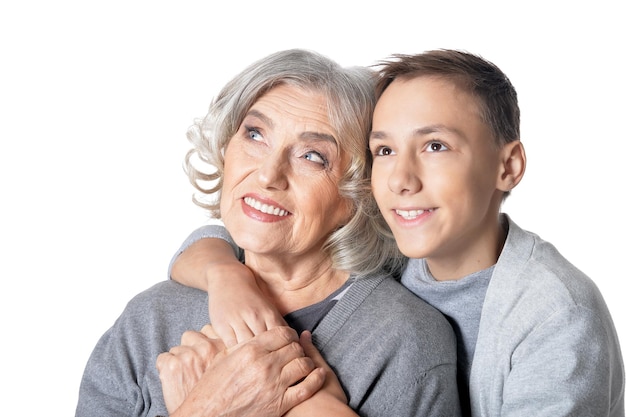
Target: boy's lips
412,213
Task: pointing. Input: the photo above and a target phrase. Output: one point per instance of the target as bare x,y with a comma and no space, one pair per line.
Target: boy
533,332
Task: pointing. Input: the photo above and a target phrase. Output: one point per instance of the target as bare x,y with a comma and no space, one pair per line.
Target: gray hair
365,244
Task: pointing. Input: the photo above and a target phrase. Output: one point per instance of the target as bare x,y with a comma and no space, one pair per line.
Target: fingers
181,360
246,327
209,332
275,352
238,309
298,369
274,320
253,325
203,348
243,333
314,380
268,372
276,338
183,366
310,350
303,390
191,357
179,373
227,333
331,383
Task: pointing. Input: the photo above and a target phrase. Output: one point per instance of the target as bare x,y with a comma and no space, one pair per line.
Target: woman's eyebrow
318,137
259,115
307,135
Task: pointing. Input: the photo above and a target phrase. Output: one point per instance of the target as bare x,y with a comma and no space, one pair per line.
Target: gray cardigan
393,353
546,344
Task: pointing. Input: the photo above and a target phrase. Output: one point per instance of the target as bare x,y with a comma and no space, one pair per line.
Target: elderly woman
287,139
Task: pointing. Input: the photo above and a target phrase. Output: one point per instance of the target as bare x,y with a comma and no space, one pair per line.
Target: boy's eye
436,147
383,151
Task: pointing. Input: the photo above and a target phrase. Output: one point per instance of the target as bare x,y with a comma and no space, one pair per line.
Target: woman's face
281,170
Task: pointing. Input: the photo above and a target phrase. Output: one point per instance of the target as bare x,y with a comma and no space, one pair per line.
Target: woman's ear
513,165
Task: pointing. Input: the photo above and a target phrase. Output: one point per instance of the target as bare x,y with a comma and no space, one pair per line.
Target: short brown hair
493,90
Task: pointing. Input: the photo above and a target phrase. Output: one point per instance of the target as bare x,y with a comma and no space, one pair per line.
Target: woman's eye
254,134
436,147
315,157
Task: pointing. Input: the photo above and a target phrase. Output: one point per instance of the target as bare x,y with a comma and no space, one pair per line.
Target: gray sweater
393,353
546,344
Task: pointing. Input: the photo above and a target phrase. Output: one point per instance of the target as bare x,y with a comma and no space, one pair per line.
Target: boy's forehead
427,93
422,82
427,104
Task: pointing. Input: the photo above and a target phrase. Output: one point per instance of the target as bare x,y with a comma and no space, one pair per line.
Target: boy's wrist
226,272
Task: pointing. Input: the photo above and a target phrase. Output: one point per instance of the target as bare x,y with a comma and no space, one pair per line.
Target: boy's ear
513,165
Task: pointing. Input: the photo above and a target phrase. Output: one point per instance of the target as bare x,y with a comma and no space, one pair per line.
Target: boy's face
435,172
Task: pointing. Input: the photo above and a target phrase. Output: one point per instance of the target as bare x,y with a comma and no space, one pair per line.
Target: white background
96,97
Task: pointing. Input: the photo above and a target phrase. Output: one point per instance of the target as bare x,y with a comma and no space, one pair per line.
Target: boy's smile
436,175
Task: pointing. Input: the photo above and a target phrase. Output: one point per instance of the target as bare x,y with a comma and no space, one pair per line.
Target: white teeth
411,214
265,208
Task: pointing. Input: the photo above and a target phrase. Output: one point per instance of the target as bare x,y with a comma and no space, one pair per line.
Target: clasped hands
267,375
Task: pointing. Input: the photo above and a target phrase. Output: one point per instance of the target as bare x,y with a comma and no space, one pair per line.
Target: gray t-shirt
308,318
461,302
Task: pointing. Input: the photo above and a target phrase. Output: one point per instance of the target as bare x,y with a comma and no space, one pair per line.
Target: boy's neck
483,254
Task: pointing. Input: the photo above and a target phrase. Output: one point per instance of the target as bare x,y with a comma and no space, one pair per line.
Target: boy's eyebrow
307,135
421,131
377,135
435,128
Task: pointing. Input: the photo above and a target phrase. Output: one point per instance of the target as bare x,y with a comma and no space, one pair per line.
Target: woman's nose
274,170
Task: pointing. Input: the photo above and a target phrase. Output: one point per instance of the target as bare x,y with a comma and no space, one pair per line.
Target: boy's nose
404,178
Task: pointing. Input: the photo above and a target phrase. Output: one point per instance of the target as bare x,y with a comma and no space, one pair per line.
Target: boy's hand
237,307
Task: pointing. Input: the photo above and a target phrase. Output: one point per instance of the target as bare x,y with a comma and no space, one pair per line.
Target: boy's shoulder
530,264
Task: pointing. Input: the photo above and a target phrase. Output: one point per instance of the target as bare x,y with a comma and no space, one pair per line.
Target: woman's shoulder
165,304
395,307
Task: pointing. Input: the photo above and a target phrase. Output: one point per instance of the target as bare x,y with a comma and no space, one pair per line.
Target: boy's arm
185,273
570,366
321,404
330,400
238,310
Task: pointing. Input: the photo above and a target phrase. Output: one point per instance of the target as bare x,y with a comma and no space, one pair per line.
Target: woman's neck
295,284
